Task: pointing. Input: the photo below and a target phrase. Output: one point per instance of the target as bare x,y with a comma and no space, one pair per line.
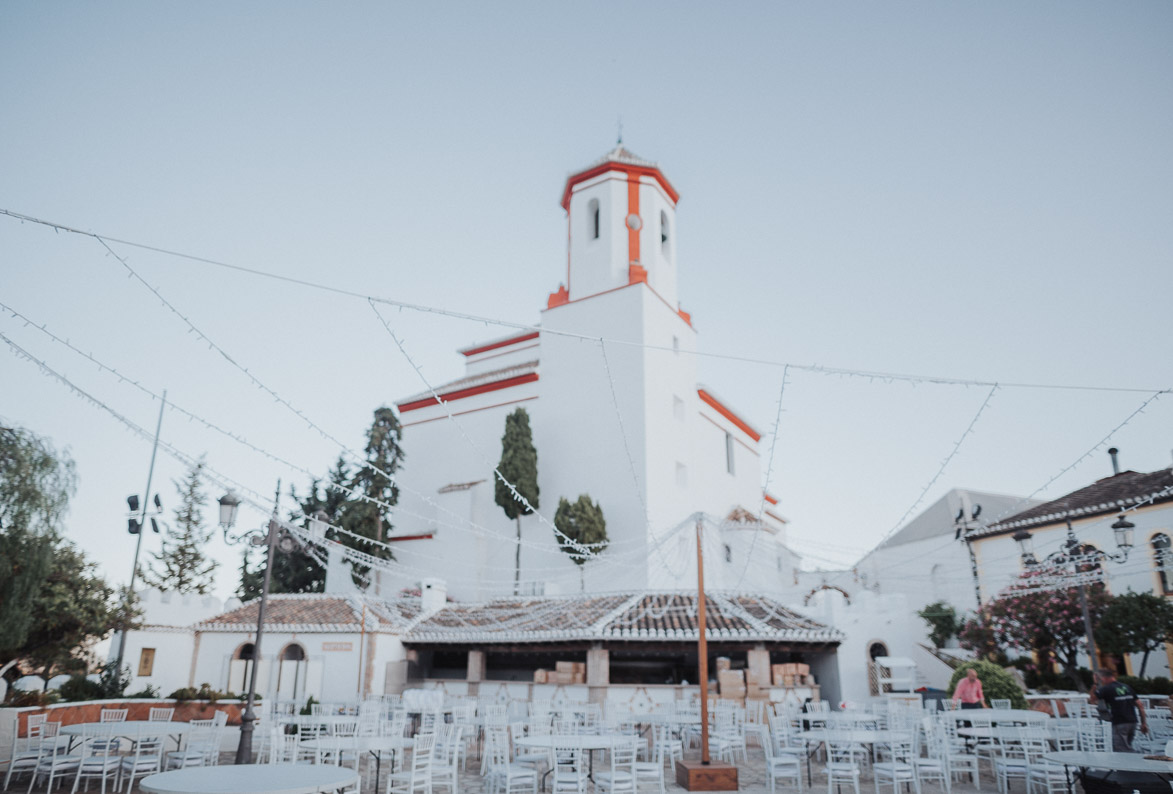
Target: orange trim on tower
513,340
636,273
632,209
630,170
725,412
770,497
472,391
558,298
685,316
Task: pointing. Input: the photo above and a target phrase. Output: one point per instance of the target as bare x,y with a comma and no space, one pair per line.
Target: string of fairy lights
635,554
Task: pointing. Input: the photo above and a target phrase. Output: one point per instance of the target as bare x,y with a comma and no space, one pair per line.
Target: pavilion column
598,673
477,668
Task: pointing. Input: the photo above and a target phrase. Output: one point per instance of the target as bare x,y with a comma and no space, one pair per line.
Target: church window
1163,557
291,670
676,345
664,230
728,553
146,662
729,454
593,214
681,475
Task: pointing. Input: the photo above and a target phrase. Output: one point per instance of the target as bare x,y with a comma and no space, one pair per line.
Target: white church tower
609,380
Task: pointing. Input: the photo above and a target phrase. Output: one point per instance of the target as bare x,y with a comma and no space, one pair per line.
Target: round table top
1119,762
840,717
128,728
1001,732
587,741
995,716
656,718
856,736
251,779
363,744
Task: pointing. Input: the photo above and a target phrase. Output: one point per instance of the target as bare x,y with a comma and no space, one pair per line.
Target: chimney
1115,462
433,595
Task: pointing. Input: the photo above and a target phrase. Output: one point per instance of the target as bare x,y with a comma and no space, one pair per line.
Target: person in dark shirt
1123,706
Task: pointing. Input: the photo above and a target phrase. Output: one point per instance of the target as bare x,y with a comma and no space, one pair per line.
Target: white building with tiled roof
609,379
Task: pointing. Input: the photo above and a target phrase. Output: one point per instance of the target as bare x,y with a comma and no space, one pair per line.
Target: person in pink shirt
969,692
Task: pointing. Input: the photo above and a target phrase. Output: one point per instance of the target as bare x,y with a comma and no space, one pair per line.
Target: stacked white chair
568,771
620,779
841,766
898,768
934,765
24,753
503,776
96,762
50,763
446,757
145,759
160,714
417,780
781,765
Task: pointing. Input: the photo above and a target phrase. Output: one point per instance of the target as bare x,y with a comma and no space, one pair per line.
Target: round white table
848,736
999,716
130,729
375,745
133,730
586,741
251,779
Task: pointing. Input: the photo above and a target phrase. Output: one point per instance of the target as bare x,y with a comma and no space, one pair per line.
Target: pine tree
518,468
181,565
582,522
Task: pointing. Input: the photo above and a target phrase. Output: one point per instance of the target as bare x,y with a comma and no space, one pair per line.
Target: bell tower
621,216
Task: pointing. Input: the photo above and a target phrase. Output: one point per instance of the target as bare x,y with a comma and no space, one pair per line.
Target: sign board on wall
337,646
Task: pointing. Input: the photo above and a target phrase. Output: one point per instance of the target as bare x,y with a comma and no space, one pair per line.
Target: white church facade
609,381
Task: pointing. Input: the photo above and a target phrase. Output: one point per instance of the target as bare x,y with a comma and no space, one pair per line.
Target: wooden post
704,776
702,644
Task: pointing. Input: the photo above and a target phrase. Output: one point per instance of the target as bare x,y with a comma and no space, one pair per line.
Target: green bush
1047,680
996,682
1148,686
150,693
78,687
205,692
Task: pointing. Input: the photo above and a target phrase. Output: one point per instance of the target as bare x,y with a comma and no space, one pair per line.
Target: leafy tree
582,522
1136,623
518,468
73,608
374,480
996,682
942,620
36,483
183,567
1048,622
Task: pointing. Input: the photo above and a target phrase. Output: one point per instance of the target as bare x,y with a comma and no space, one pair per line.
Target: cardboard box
776,673
758,671
541,676
723,663
560,678
579,668
802,669
578,678
731,679
564,667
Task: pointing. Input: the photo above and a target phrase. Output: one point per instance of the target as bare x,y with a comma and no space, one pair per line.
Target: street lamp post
1075,555
271,538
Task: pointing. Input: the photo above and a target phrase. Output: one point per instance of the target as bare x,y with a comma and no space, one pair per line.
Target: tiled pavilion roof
662,616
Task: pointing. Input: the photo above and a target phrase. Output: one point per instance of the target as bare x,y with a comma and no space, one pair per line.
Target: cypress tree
181,565
582,522
518,467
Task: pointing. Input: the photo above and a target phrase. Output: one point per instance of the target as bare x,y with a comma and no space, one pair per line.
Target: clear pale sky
976,191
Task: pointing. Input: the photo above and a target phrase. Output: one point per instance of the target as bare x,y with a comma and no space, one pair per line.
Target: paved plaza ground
752,777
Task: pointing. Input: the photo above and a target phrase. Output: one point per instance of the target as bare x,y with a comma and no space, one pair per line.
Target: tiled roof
472,381
318,612
661,616
1109,495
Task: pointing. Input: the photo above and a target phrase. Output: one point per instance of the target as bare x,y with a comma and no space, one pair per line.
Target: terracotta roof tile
319,612
1109,495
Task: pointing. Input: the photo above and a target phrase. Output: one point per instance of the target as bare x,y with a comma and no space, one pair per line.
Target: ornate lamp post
1076,556
271,537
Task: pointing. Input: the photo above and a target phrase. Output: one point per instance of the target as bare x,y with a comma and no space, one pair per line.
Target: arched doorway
291,670
876,649
241,667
